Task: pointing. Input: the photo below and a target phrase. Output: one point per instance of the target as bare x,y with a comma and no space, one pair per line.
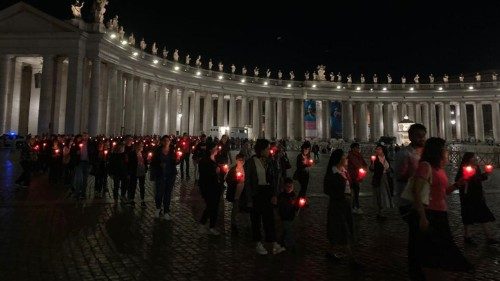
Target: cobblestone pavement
47,236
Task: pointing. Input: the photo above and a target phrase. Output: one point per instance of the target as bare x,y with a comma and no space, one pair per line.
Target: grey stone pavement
47,236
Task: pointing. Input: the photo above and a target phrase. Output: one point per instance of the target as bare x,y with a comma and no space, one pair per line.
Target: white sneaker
260,249
167,216
277,248
158,213
213,231
202,229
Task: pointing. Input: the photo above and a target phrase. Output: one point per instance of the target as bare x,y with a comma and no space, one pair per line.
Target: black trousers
185,162
262,213
25,176
211,195
133,185
355,189
411,217
304,182
100,184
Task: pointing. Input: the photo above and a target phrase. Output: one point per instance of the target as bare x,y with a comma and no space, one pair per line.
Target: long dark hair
433,151
465,160
335,158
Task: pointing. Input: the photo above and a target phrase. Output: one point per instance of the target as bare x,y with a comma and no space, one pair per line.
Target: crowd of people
257,182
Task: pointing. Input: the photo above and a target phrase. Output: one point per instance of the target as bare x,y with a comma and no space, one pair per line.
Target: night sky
397,37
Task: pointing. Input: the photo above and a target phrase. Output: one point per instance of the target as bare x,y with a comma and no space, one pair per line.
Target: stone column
195,114
95,91
279,119
479,121
74,95
139,105
410,109
112,100
418,113
244,111
267,119
45,124
432,120
163,108
362,122
395,118
129,105
256,118
425,117
387,112
377,121
150,108
207,114
463,121
495,116
447,121
348,122
220,110
290,119
226,115
60,90
232,111
185,112
4,86
14,99
119,109
173,96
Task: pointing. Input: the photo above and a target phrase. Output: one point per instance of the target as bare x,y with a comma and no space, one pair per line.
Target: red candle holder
219,147
81,145
488,168
361,173
105,152
56,151
468,172
373,158
302,202
114,143
179,154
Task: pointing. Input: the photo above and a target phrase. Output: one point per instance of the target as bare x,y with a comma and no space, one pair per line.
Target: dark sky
399,37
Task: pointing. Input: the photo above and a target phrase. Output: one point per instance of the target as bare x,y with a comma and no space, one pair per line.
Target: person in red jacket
355,162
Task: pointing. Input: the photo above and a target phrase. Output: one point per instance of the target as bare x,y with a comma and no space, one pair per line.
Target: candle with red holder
468,172
488,168
373,157
225,168
240,176
361,173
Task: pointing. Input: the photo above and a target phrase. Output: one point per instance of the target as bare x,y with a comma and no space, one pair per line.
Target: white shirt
343,173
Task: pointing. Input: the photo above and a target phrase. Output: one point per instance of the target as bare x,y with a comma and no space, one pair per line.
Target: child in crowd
288,206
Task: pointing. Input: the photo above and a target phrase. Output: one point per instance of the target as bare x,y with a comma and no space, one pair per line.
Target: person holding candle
137,167
223,157
117,169
99,168
200,151
185,145
436,249
55,164
340,225
261,196
405,165
355,162
381,180
164,171
304,162
235,180
28,156
81,158
287,207
211,187
473,208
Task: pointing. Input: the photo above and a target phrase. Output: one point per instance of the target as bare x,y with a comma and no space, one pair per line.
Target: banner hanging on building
336,119
310,119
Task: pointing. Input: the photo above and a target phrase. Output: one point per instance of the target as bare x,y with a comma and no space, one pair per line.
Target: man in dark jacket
355,162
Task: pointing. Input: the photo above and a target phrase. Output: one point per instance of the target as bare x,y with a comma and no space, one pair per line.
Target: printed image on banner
336,119
310,118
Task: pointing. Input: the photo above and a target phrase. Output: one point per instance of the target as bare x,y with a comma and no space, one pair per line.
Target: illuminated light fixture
371,90
124,42
176,68
452,112
135,54
198,73
243,80
411,89
265,83
358,88
453,122
338,87
179,115
113,36
440,88
220,77
471,88
155,61
384,89
314,86
289,85
406,117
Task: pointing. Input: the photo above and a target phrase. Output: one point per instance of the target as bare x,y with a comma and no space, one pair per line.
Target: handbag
424,194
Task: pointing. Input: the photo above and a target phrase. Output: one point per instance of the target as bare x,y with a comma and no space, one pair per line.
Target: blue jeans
164,186
81,178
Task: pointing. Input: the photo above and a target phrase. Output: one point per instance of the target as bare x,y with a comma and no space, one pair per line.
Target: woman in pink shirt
436,250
